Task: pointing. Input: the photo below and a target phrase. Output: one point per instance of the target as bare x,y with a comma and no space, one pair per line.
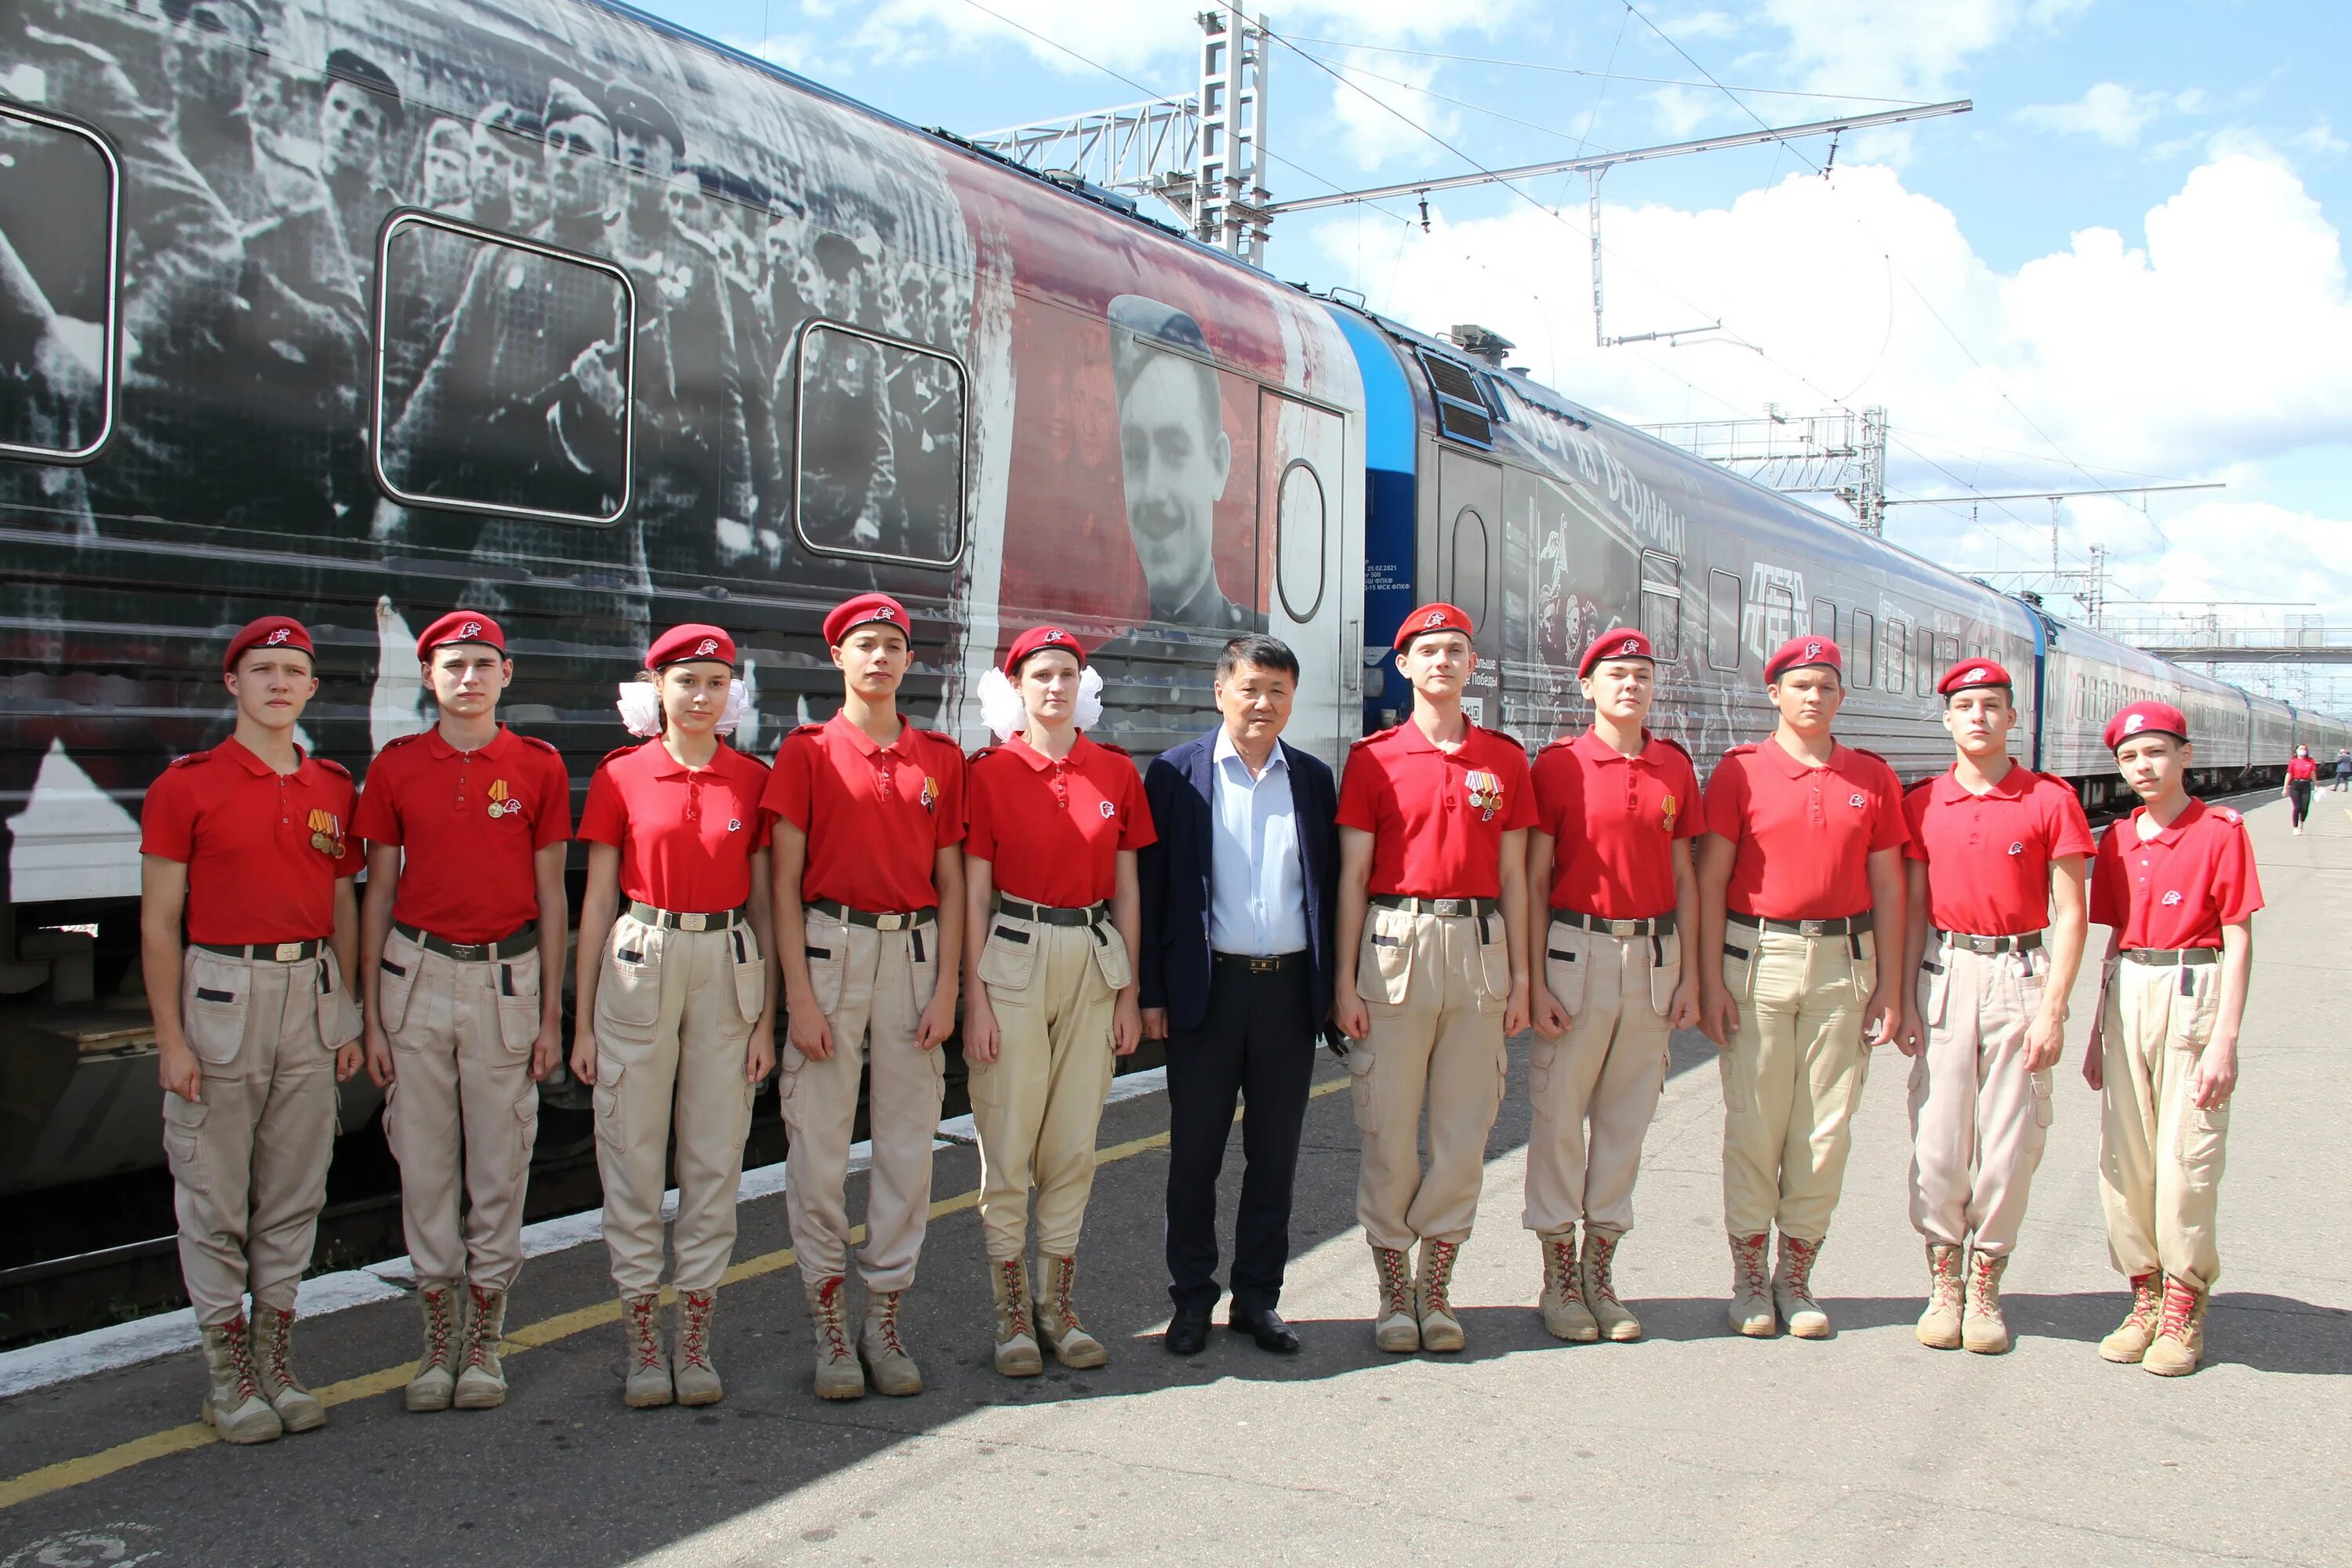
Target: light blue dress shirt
1257,886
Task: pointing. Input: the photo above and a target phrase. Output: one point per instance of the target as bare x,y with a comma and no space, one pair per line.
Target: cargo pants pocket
1567,957
923,965
628,991
214,997
1360,1063
612,1128
517,983
184,1143
751,974
1935,987
338,1008
1385,963
1009,958
2196,1004
1493,961
1111,957
1665,970
2044,1110
396,981
1541,1055
827,949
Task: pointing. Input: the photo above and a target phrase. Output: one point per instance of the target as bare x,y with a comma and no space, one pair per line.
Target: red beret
864,610
1435,618
1971,672
269,631
1624,642
460,625
1039,637
1803,653
692,641
2142,717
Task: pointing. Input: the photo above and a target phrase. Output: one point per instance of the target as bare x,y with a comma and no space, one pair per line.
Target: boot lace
1561,1250
693,1327
644,1332
1982,1302
828,1307
1755,1278
1066,1300
481,1345
2147,1295
2180,1307
1948,1290
1441,1271
240,1361
1600,1252
885,1324
278,1346
440,1326
1798,1262
1396,1285
1017,1299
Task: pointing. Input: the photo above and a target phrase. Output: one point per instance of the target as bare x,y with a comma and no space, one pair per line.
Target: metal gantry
1841,453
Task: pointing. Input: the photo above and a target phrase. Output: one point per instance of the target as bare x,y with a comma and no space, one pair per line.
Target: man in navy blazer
1239,895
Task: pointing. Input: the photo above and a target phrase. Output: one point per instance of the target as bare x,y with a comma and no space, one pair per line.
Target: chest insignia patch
2017,848
2173,896
1857,800
1107,809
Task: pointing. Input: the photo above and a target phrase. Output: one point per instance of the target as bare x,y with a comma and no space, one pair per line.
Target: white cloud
1378,108
1900,47
2109,110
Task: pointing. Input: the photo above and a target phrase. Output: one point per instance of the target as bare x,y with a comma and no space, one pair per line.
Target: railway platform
1692,1447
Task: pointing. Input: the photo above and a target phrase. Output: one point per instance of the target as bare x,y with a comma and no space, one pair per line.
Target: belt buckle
1264,965
888,922
1447,907
693,922
469,951
288,952
1623,928
1985,944
1813,928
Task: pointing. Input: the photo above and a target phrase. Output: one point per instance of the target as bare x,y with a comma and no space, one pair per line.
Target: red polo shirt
1805,835
687,835
2303,768
1437,817
2179,888
469,824
1987,856
1053,829
263,849
1614,819
876,816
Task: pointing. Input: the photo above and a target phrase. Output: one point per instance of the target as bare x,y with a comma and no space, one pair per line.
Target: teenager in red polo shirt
674,1019
2175,882
1996,858
1434,900
249,843
1616,809
868,814
2302,777
1053,914
467,825
1801,881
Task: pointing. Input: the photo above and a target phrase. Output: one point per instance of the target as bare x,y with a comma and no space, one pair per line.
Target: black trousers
1256,1041
2298,799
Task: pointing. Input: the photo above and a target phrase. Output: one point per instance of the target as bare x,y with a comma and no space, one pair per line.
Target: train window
1923,668
1779,614
1862,650
1950,650
1722,621
1301,522
1897,667
878,430
1469,575
1824,622
60,253
1661,604
520,404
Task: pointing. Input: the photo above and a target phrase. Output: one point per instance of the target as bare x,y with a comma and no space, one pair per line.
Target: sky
2123,266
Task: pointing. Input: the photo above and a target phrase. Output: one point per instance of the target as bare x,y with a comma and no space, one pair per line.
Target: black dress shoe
1267,1327
1187,1332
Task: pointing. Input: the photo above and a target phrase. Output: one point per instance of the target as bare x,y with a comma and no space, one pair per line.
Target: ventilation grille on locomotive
1462,411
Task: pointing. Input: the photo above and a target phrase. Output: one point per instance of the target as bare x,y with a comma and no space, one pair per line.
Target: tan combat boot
2179,1343
887,1361
1751,1288
2129,1341
648,1381
1565,1315
838,1375
436,1370
1940,1325
1058,1315
1594,1271
1398,1331
1792,1288
1016,1336
1440,1329
273,1369
482,1385
1984,1330
233,1403
690,1367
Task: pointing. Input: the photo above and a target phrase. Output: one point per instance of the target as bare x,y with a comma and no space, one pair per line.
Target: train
552,309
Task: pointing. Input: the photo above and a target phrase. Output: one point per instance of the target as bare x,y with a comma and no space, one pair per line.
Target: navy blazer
1174,874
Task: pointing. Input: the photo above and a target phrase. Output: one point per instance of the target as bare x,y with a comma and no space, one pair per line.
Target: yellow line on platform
171,1440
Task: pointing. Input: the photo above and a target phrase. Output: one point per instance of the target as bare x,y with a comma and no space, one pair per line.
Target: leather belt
832,909
672,921
1447,908
1260,963
2026,942
1845,925
1656,925
268,952
1047,914
2172,957
523,939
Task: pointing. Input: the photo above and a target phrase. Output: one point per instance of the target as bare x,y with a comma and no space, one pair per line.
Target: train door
1317,560
1468,540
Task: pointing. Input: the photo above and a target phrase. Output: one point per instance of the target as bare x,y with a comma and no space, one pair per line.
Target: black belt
835,909
1845,925
522,938
2026,942
672,921
2171,957
1449,909
1047,914
1260,963
268,952
1656,925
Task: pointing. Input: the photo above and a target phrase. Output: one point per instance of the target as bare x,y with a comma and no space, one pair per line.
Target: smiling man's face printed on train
1175,457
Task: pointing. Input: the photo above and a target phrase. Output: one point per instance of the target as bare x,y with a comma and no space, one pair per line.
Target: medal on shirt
1486,793
499,805
326,832
1667,807
930,793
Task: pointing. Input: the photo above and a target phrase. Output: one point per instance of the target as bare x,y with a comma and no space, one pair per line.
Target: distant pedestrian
2302,777
2343,769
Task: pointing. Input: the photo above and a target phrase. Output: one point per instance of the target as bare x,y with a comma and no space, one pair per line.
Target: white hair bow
1002,709
641,714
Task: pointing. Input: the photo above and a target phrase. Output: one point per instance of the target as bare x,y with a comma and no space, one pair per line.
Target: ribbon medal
1486,793
326,832
1667,807
499,805
930,794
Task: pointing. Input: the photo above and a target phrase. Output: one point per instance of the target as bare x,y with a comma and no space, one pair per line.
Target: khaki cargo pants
2160,1157
873,987
1609,1068
1038,1105
462,1112
1793,1075
1978,1119
674,1016
249,1158
1435,987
